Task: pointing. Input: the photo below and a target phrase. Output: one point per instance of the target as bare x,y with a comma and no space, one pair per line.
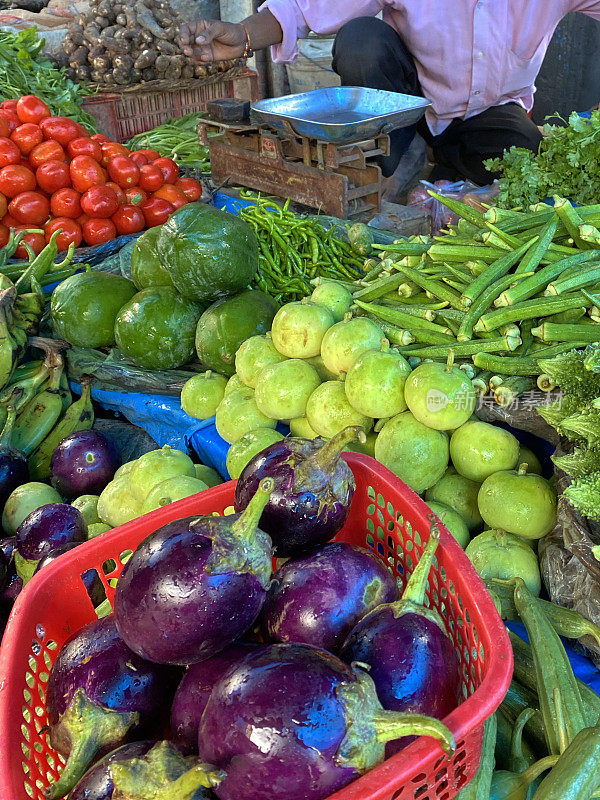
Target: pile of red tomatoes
54,175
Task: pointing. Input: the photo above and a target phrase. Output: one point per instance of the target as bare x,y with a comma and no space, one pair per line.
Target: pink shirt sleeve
589,7
298,17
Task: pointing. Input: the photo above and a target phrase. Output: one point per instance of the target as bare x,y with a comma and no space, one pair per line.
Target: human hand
208,40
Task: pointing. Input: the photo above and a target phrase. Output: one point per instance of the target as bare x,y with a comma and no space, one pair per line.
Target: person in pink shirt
476,60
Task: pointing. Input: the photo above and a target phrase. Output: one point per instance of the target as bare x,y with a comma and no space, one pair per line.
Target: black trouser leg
459,152
368,52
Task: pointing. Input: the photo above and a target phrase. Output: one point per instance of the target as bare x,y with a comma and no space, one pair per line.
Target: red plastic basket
386,517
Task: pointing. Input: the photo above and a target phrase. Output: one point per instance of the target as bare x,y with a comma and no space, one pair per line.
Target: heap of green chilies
296,250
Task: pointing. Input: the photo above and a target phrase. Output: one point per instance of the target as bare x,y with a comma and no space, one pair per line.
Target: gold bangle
248,51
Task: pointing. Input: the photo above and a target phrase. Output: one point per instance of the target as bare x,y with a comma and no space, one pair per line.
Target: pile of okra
501,289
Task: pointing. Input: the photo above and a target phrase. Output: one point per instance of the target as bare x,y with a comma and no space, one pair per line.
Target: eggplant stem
247,522
414,591
390,725
313,472
185,787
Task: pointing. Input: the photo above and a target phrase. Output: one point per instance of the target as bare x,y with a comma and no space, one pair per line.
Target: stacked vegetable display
54,177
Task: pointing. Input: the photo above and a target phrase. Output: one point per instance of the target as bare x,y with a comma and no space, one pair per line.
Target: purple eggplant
99,692
196,585
313,490
84,463
49,527
293,722
194,690
91,580
13,464
97,783
318,598
411,657
4,572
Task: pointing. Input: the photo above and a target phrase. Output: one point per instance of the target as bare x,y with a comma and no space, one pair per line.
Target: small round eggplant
318,598
48,527
99,692
313,490
84,463
91,581
293,722
13,464
194,690
97,782
196,585
411,657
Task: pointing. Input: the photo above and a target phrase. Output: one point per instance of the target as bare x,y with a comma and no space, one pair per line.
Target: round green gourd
478,449
247,446
253,356
147,268
497,554
283,389
328,410
298,329
201,395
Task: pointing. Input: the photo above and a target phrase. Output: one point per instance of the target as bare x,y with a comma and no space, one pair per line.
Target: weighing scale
317,148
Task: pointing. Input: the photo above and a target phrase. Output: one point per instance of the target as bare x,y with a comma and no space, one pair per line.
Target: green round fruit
96,528
238,414
415,453
478,449
283,389
300,427
496,554
375,383
322,371
234,384
209,475
247,446
25,499
156,466
156,328
229,322
328,410
334,296
459,494
529,458
147,268
125,469
117,505
440,396
519,503
253,356
87,504
346,341
170,490
453,521
84,307
298,329
201,395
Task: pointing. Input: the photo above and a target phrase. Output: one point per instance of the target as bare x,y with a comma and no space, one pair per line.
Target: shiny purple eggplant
14,471
48,527
293,722
319,597
99,693
97,782
196,585
84,463
313,491
411,657
194,690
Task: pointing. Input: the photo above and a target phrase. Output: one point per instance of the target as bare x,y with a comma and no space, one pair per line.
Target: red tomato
129,219
135,196
172,194
31,109
191,188
156,211
9,152
71,232
112,149
62,129
26,137
3,205
169,169
98,231
9,105
82,132
151,155
10,222
85,173
99,202
46,151
15,179
29,208
151,178
53,175
85,147
81,219
139,158
66,203
10,118
123,171
4,235
100,137
118,191
4,128
37,242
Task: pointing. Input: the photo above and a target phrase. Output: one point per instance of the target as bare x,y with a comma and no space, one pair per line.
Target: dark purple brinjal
411,657
319,597
194,690
99,693
13,464
84,463
3,571
313,490
293,722
195,585
97,783
90,579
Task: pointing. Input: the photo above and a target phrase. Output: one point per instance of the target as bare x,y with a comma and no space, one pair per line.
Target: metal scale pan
340,114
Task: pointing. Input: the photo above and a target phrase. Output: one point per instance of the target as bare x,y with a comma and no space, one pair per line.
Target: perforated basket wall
386,517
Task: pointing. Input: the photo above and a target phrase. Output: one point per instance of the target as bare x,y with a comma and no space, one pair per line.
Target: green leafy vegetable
176,139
